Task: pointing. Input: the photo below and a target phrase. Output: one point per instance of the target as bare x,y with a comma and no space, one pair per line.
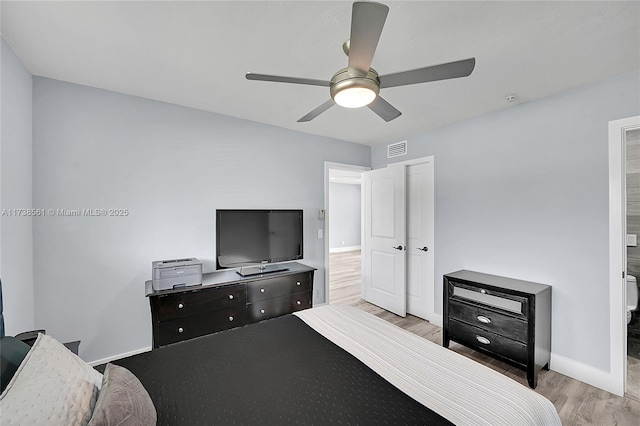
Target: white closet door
384,252
420,239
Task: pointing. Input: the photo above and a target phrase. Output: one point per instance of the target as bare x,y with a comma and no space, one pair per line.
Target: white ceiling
197,53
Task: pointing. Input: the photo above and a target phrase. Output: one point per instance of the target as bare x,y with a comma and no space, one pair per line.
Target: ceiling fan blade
367,21
384,109
432,73
281,79
316,112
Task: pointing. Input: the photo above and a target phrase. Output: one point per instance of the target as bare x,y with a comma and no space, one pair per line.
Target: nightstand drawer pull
231,297
483,319
262,311
483,340
180,306
230,319
180,329
297,282
262,290
298,302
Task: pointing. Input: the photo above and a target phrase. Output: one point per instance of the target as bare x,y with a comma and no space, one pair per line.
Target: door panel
383,256
420,225
383,271
383,198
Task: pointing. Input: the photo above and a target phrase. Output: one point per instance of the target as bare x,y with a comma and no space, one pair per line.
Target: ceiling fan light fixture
354,97
353,91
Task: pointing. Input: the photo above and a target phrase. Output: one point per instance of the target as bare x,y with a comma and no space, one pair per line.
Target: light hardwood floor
576,402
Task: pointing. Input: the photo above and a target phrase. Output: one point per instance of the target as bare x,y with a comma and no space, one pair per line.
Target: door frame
328,165
617,381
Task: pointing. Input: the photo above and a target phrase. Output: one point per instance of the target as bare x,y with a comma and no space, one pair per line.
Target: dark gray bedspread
276,372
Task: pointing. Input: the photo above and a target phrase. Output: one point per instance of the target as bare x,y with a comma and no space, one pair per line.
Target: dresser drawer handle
483,340
230,319
298,302
262,290
483,291
180,306
231,297
262,311
180,329
483,319
297,282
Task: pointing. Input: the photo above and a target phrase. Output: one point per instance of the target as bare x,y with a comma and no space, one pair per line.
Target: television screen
250,237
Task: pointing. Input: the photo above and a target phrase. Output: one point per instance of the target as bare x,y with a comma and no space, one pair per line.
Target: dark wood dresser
505,318
227,300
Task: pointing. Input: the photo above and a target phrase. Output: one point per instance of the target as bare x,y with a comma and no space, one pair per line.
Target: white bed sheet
459,389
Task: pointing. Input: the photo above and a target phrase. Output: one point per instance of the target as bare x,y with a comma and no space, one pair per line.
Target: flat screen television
255,240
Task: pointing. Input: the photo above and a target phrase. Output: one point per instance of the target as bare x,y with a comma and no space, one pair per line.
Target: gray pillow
122,401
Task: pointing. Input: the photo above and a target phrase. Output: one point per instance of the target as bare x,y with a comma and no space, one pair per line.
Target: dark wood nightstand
29,337
502,317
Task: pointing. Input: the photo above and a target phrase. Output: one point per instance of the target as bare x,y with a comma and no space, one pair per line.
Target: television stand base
259,270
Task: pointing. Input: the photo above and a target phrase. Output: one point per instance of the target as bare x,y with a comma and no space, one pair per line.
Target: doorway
343,225
418,245
398,242
620,381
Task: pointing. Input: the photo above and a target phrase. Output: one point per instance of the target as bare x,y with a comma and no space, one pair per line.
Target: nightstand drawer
277,306
475,337
490,320
180,329
188,303
491,298
277,287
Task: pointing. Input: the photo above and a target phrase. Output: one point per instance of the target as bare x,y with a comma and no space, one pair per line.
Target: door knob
398,248
423,248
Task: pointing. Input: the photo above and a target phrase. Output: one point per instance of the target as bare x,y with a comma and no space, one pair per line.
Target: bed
332,364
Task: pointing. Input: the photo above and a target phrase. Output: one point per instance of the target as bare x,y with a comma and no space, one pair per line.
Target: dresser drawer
277,287
475,337
517,305
277,306
179,329
188,303
490,320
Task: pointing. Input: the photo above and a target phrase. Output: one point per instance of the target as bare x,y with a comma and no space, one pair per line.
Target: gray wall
344,215
16,241
524,193
171,167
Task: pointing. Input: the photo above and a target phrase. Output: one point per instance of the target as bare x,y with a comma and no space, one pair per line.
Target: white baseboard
115,357
583,372
343,249
435,319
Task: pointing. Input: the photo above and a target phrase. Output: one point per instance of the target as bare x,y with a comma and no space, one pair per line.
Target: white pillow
52,386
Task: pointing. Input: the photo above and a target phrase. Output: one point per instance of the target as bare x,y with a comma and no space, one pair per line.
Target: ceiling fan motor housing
342,80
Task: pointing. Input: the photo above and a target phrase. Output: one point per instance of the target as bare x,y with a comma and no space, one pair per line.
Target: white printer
169,274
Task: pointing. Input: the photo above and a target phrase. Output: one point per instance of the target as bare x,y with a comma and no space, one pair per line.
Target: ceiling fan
358,84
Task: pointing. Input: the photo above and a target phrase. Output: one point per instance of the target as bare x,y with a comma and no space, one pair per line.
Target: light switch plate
632,240
319,233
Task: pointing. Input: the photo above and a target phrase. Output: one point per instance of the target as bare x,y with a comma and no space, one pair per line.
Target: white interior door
420,239
383,257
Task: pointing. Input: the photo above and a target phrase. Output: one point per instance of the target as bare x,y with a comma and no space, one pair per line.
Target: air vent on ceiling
397,149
